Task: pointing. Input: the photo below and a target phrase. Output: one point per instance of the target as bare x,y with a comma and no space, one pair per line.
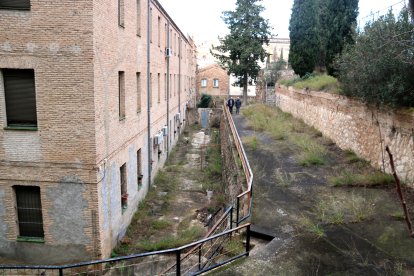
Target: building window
159,31
29,211
165,87
15,4
215,83
139,92
121,13
139,169
150,90
139,17
124,187
20,96
159,88
203,83
121,94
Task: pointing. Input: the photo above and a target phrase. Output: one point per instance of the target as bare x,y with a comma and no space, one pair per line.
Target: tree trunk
245,89
412,8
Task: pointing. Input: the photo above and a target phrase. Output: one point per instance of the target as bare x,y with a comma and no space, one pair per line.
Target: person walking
238,105
230,104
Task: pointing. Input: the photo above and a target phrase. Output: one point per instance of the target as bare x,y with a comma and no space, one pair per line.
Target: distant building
78,147
278,48
238,91
213,80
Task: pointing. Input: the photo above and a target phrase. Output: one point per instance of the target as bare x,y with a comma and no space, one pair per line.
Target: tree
241,50
339,22
379,67
304,44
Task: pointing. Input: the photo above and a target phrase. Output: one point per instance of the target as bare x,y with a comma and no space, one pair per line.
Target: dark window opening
29,211
15,4
139,169
20,94
124,190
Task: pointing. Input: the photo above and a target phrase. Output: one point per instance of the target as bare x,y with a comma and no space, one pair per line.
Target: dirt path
331,215
176,209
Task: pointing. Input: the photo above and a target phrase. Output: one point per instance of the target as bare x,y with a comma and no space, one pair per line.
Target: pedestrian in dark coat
238,105
230,104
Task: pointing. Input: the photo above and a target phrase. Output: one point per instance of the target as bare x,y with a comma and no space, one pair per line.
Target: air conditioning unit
168,52
178,116
165,130
158,138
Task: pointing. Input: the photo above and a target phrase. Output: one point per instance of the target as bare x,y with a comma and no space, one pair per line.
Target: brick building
90,107
213,80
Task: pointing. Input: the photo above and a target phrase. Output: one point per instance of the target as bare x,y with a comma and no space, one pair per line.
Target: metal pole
248,240
237,212
231,217
178,263
168,90
199,257
60,272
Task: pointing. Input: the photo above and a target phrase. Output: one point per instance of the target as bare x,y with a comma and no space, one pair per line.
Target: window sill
14,9
29,128
122,119
30,239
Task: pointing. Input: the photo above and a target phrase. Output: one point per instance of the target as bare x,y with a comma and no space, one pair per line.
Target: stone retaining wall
353,125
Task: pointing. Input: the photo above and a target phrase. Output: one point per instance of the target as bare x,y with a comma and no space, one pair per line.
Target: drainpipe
149,91
179,83
168,89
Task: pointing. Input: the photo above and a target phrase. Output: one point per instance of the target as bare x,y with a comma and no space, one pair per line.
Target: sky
202,18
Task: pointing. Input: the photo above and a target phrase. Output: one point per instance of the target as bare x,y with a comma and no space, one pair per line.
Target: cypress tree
304,36
339,22
241,50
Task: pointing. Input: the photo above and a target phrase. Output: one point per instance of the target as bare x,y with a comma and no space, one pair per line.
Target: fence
222,244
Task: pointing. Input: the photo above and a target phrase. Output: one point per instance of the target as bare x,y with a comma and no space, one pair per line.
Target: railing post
231,217
199,257
178,263
60,271
237,211
248,240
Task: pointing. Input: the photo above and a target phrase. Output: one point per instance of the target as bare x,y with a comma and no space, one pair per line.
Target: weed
367,180
234,247
398,215
331,212
351,157
251,141
311,227
283,178
319,83
160,224
311,152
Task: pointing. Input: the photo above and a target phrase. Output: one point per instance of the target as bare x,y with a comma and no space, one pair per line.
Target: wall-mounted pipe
168,88
179,79
149,91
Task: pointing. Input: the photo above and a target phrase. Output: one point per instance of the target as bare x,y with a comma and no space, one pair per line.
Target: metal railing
244,200
210,253
191,259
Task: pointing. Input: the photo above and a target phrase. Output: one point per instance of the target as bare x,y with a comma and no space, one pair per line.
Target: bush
205,101
379,68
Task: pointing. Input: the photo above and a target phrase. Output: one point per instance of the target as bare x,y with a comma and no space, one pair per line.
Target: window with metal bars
29,211
124,187
15,4
20,95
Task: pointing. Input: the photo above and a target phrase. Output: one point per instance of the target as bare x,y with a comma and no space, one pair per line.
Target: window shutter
15,4
20,97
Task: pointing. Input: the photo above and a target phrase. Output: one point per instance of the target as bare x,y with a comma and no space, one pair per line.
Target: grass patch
251,141
351,157
234,247
330,212
312,153
313,228
284,179
170,241
160,224
398,215
288,82
319,83
366,180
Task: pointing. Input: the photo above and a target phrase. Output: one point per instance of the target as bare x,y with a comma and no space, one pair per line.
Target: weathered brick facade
77,50
209,74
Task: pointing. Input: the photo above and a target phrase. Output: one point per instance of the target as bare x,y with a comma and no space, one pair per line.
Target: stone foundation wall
353,125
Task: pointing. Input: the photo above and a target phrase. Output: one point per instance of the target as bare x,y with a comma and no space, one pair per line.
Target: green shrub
379,68
205,101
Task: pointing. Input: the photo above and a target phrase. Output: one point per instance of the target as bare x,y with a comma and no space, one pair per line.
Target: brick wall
77,49
210,73
355,126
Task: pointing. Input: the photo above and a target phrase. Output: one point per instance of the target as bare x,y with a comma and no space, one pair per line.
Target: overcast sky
202,18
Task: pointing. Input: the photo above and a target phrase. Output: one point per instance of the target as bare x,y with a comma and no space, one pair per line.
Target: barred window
29,211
